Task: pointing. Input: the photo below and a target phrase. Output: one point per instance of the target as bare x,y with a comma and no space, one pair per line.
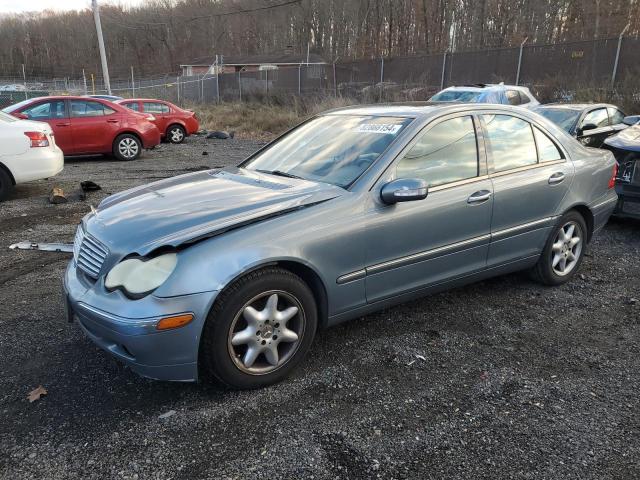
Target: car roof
574,106
141,100
417,109
483,87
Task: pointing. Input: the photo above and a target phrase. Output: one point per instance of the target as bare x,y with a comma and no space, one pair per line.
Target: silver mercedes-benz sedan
229,273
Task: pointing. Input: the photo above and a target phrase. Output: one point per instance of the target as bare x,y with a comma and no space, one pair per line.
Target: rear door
421,243
54,112
161,112
94,125
594,128
530,176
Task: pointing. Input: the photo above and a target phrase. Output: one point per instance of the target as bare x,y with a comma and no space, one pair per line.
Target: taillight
38,139
612,180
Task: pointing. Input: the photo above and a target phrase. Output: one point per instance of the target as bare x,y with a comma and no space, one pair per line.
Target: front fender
214,263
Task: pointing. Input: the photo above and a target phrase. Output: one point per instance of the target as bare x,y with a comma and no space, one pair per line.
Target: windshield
7,118
457,96
563,117
334,149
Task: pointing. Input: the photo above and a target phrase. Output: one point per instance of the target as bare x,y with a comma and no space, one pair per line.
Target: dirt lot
502,379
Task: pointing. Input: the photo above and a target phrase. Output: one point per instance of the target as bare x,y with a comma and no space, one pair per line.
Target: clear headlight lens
139,276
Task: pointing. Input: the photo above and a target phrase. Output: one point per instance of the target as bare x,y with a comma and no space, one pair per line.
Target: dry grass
262,120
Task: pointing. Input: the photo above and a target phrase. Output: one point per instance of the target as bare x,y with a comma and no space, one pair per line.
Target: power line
248,10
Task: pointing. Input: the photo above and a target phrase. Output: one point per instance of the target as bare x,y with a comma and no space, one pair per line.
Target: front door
420,243
594,128
530,175
55,114
94,126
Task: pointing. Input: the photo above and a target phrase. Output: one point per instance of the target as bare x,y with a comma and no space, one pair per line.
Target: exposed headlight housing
140,276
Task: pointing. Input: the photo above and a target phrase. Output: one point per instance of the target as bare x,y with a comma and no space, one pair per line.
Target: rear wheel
259,330
127,147
563,252
176,133
6,185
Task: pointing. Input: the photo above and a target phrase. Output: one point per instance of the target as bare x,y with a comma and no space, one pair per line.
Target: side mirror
631,120
588,126
404,190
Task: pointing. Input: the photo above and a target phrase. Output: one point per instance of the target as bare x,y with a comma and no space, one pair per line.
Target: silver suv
488,93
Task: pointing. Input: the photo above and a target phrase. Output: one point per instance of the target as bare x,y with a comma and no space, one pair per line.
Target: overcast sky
13,6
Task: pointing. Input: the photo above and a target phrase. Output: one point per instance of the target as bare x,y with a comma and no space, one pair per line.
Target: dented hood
193,206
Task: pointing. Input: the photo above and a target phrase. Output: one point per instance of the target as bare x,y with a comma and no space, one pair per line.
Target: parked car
111,98
590,123
626,148
174,123
84,126
488,93
229,273
28,151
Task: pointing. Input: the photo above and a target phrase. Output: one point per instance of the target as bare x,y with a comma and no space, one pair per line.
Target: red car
86,126
174,123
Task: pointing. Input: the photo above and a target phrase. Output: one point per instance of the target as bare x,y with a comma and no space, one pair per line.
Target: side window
150,107
547,150
524,98
132,106
83,108
598,117
510,141
47,110
446,153
513,97
615,116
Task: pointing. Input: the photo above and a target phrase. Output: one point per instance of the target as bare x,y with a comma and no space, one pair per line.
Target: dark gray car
229,273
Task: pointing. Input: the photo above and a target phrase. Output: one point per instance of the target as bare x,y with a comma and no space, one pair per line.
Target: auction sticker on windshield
384,128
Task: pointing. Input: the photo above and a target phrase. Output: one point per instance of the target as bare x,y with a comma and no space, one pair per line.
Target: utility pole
103,55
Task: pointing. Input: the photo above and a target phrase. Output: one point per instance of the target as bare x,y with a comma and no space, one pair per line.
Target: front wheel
259,329
127,147
563,252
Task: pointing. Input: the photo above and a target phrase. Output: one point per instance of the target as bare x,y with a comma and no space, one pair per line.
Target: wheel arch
587,214
127,131
306,272
176,122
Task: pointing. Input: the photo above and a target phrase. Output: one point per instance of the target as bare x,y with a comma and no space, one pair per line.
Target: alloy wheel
176,135
128,148
266,332
566,248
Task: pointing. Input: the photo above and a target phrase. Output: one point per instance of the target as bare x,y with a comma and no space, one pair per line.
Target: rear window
457,96
563,117
132,106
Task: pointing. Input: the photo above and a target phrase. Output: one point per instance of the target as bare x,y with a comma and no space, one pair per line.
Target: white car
488,93
27,152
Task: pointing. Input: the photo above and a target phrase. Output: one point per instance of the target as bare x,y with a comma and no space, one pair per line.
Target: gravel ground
501,379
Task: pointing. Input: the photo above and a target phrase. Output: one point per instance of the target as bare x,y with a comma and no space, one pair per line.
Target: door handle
113,121
480,196
556,178
62,124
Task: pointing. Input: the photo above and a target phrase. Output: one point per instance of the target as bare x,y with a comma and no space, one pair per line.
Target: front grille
89,253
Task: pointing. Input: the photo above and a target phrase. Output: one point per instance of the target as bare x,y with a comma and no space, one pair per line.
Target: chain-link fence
553,71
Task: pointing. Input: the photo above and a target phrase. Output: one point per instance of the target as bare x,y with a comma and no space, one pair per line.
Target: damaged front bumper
126,328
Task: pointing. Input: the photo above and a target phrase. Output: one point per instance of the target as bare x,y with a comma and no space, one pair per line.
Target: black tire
544,271
176,133
127,147
6,185
217,357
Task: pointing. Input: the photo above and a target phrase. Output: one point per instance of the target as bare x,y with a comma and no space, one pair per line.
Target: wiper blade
280,173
